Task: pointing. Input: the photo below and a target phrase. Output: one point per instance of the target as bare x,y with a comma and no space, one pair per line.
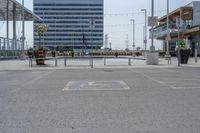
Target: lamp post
133,20
145,30
168,33
152,48
152,57
23,26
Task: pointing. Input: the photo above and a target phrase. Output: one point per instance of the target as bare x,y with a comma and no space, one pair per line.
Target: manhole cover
96,85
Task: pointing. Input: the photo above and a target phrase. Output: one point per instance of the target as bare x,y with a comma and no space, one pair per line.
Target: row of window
74,30
68,13
71,22
69,9
65,35
81,45
53,17
74,26
68,4
70,39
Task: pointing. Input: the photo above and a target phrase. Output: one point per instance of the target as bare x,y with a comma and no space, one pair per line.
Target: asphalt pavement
100,100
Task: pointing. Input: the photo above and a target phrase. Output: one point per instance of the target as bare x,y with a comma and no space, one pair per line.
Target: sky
117,22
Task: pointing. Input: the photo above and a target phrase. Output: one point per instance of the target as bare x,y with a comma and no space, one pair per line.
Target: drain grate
96,85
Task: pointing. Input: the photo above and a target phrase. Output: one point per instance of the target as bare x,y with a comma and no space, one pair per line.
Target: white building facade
76,24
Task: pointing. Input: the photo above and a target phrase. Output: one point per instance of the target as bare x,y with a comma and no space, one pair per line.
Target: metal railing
90,59
161,30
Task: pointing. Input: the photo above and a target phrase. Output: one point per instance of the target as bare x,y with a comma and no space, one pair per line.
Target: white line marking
68,86
153,79
31,81
186,87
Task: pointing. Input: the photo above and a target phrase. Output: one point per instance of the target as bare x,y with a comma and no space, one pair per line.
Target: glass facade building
77,24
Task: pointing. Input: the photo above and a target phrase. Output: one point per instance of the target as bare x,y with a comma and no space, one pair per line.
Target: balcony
160,32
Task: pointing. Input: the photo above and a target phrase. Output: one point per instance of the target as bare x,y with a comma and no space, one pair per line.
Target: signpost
152,21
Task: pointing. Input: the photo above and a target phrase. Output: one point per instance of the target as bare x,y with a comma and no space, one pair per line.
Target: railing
161,30
90,59
10,47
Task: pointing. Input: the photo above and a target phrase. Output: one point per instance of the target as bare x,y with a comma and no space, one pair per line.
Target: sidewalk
85,64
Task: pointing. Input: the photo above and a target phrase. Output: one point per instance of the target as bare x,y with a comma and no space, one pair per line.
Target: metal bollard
129,61
91,63
179,58
65,61
196,52
31,62
56,62
104,61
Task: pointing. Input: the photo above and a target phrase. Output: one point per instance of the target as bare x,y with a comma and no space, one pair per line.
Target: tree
97,47
41,29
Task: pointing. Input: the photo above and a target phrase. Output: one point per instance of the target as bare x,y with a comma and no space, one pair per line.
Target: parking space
175,78
89,100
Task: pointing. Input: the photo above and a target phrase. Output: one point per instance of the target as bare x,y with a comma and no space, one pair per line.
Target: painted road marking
32,81
96,85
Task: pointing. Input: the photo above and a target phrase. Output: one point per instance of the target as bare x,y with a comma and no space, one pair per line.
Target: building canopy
15,11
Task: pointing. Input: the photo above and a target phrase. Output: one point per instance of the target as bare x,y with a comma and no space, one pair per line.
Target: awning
185,13
16,7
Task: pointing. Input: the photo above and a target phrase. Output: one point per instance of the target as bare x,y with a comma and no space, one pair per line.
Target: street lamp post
145,29
133,20
168,33
23,26
152,57
152,48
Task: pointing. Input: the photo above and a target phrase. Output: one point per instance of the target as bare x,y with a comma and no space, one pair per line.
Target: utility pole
168,34
106,41
152,57
23,26
7,17
127,42
152,48
145,30
133,20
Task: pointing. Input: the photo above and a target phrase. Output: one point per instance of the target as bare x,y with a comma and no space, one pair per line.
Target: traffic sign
152,21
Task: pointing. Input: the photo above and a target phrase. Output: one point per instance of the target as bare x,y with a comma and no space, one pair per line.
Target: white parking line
32,81
186,87
96,85
153,79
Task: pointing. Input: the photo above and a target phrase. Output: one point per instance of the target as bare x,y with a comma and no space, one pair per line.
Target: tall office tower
77,24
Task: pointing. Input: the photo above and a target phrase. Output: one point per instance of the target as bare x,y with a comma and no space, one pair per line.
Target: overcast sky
117,22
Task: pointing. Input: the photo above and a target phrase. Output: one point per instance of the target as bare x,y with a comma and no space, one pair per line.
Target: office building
76,24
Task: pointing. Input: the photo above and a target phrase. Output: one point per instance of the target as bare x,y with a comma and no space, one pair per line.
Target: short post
104,61
56,62
91,62
31,62
179,58
129,61
196,52
65,61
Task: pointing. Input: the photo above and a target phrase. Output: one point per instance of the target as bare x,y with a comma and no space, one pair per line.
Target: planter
40,57
184,55
152,58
